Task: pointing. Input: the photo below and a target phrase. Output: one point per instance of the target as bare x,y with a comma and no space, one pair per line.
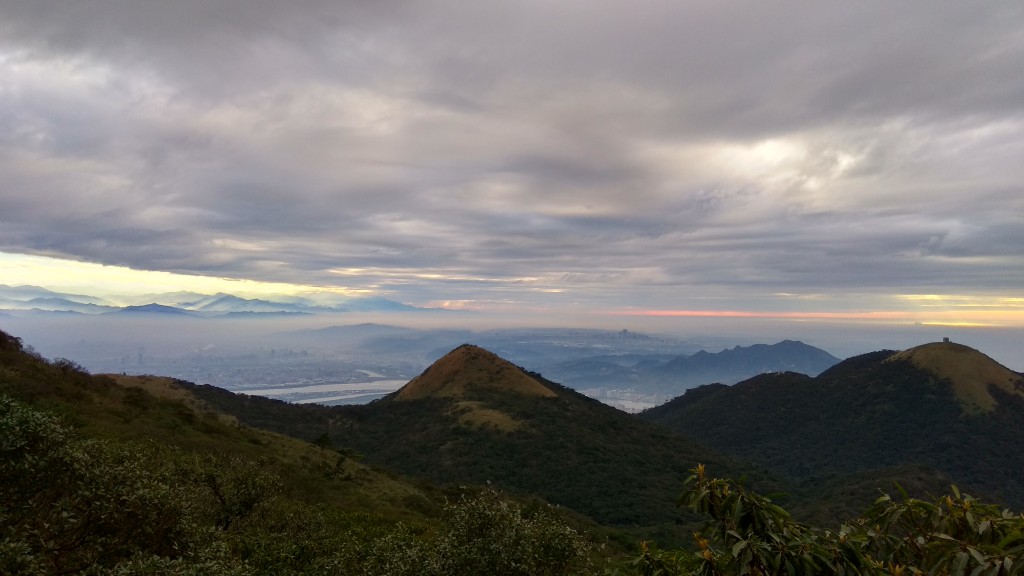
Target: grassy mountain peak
469,368
968,370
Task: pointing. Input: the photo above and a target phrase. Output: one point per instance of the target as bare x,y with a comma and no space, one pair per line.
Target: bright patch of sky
92,279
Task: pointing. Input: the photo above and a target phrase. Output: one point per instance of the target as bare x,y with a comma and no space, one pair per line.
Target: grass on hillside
969,371
161,410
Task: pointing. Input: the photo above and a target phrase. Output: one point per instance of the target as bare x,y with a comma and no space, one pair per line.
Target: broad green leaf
738,547
961,564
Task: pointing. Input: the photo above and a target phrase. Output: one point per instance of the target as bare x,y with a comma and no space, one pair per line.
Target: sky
857,160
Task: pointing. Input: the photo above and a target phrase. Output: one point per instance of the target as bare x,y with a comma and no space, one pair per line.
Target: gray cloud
641,155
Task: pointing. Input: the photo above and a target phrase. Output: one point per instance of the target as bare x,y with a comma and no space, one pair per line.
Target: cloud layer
594,154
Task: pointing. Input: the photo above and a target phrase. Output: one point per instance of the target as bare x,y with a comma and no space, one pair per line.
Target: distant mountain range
658,374
31,299
153,309
230,303
587,359
26,293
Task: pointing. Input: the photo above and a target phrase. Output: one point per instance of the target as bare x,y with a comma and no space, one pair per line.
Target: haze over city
841,171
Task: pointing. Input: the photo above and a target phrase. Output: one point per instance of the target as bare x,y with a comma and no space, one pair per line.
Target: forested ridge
869,414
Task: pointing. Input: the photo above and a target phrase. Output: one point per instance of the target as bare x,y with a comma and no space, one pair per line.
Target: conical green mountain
467,370
942,407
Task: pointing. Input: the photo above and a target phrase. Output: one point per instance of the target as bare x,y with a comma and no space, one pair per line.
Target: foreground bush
748,534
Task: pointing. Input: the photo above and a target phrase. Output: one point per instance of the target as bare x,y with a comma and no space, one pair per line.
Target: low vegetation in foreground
748,534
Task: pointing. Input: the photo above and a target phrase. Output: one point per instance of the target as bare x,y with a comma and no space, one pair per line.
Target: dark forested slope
943,406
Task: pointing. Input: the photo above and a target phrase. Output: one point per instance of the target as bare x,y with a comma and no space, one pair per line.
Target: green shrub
748,534
68,504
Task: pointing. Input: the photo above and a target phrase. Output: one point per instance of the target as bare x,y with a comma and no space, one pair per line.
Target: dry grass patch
970,371
159,386
166,389
478,415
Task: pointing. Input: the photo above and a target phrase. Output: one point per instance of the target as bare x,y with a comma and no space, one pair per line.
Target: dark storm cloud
649,152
